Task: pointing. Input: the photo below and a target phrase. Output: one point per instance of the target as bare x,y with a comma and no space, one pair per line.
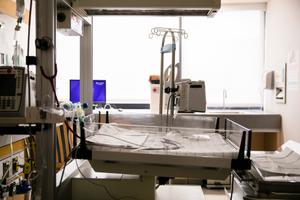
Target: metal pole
173,76
180,50
86,67
161,81
45,163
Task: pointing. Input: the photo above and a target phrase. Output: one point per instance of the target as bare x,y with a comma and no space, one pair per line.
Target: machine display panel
8,85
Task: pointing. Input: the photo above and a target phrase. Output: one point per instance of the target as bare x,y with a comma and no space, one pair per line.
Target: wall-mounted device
269,80
280,85
13,91
69,23
190,96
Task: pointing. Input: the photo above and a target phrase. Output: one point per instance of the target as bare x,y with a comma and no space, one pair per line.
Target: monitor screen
99,91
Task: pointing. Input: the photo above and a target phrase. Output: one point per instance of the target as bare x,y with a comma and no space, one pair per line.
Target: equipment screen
7,85
99,91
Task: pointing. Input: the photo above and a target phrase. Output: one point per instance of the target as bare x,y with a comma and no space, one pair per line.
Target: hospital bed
149,151
273,175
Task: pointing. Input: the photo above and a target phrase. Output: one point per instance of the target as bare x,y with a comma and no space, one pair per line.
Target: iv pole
172,73
171,48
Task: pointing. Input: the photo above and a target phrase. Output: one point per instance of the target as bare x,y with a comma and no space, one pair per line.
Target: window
125,56
68,64
225,51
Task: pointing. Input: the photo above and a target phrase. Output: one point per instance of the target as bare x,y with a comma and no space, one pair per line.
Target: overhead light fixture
149,7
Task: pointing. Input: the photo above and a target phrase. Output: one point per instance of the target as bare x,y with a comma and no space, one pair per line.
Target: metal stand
169,48
86,67
45,28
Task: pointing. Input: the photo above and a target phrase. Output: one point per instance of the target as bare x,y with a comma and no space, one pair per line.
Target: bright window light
227,53
125,56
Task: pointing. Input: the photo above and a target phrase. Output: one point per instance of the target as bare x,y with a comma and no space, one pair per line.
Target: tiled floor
214,194
189,192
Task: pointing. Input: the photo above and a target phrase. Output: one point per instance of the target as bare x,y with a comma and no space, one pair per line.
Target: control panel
12,91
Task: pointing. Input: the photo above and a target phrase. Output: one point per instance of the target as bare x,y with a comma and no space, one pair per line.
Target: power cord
28,48
71,152
64,168
51,80
71,130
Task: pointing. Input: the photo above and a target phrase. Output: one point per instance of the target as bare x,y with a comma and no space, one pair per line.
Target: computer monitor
99,91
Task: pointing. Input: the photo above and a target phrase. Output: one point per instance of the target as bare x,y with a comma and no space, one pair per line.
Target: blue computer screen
99,91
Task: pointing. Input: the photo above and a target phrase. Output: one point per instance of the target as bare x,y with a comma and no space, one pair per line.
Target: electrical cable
28,49
142,147
64,168
123,140
51,80
100,185
71,130
71,152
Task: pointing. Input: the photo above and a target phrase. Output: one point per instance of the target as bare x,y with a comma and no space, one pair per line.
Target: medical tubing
51,80
143,147
64,168
126,141
71,130
75,133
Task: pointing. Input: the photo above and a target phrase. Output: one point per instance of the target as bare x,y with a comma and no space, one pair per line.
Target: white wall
7,39
282,38
68,61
